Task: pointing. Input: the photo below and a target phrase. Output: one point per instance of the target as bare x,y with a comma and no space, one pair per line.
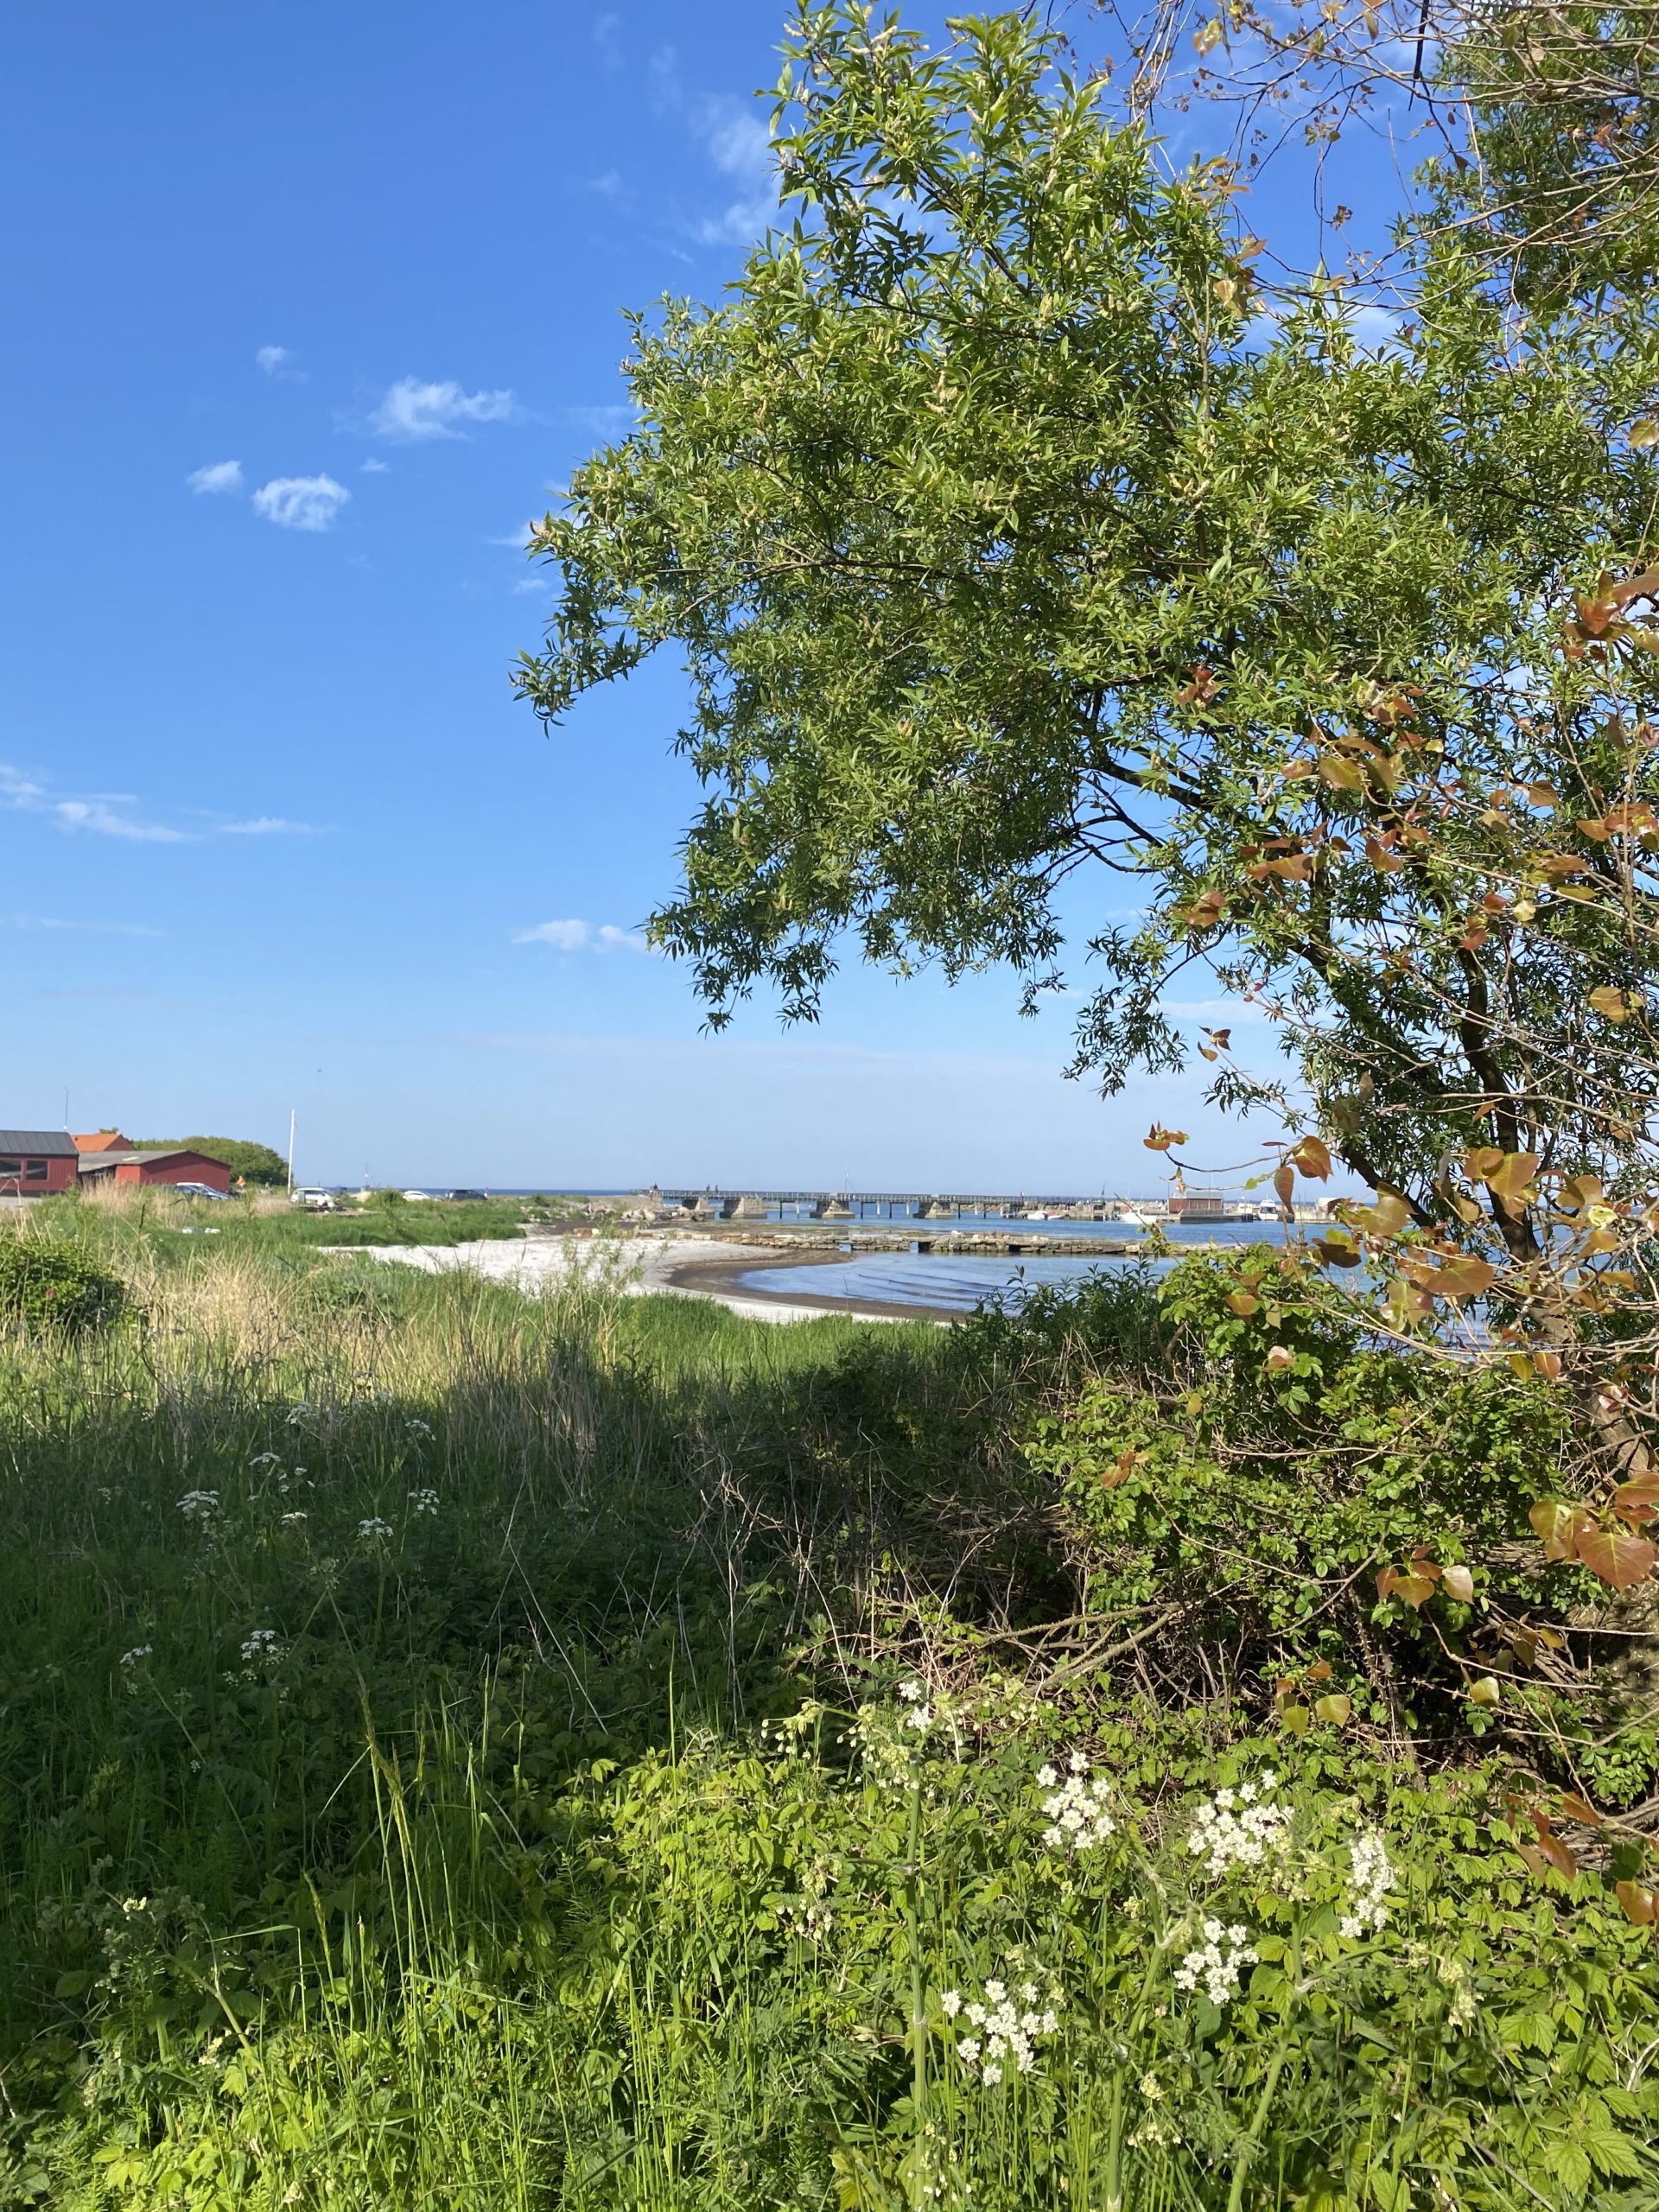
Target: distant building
103,1140
175,1167
35,1163
1197,1205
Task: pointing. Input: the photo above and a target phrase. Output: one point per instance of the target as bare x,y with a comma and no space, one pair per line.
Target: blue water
961,1281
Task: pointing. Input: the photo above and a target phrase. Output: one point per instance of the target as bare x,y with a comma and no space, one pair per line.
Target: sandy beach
684,1267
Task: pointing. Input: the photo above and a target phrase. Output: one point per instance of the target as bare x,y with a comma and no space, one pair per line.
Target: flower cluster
1217,1962
417,1428
263,1646
806,1918
423,1501
1239,1827
137,1656
1076,1807
374,1530
1008,2034
1373,1879
920,1715
199,1504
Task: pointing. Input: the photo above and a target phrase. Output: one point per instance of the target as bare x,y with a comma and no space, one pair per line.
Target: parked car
425,1196
314,1200
200,1191
466,1197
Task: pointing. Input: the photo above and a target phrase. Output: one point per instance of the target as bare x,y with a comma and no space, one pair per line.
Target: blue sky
316,306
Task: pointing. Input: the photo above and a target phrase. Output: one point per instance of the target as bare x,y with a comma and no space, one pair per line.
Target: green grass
492,1788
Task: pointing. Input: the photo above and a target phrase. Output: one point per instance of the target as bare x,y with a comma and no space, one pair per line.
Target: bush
48,1285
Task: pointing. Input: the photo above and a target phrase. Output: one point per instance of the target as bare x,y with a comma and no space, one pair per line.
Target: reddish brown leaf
1552,1848
1574,1808
1557,1526
1616,1556
1311,1156
1284,1184
1640,1905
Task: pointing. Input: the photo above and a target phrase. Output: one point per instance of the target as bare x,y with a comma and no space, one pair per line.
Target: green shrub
46,1284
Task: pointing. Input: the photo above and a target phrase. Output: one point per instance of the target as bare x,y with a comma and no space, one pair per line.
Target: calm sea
964,1280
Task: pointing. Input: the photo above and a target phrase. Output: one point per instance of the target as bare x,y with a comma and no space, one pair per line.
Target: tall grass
452,1755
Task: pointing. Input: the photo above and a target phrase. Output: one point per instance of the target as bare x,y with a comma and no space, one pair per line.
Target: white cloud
608,186
268,825
739,143
582,936
97,929
277,361
412,411
96,812
100,817
374,467
603,421
607,35
218,476
300,502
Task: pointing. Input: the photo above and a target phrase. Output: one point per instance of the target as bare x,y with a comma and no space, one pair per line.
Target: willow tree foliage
1015,541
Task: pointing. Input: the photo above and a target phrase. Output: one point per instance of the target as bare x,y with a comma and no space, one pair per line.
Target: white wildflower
417,1428
1226,1838
1373,1879
1078,1809
1006,2039
1215,1964
950,2003
265,1459
293,1520
263,1645
423,1501
199,1504
374,1528
137,1656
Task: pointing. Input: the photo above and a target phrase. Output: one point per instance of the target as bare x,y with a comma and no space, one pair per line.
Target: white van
314,1200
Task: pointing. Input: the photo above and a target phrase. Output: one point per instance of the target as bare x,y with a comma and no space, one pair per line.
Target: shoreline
723,1280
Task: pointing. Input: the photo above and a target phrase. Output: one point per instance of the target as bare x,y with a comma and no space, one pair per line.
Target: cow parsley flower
1007,2034
1373,1879
1240,1828
1215,1963
417,1428
1077,1808
137,1656
374,1529
263,1645
920,1715
199,1504
423,1501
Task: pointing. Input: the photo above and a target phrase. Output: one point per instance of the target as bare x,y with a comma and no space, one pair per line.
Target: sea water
962,1280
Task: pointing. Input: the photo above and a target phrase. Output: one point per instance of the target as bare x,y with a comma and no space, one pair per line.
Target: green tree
1001,539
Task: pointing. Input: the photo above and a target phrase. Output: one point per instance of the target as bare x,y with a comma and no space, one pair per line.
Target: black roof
55,1141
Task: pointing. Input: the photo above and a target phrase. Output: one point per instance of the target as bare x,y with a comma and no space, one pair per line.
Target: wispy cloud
738,142
269,825
91,929
374,465
218,476
277,361
607,35
300,502
582,936
98,813
603,421
412,411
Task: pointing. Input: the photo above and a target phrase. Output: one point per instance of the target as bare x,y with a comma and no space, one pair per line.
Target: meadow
470,1750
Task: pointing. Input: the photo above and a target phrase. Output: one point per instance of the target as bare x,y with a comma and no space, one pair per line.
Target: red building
33,1163
182,1166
